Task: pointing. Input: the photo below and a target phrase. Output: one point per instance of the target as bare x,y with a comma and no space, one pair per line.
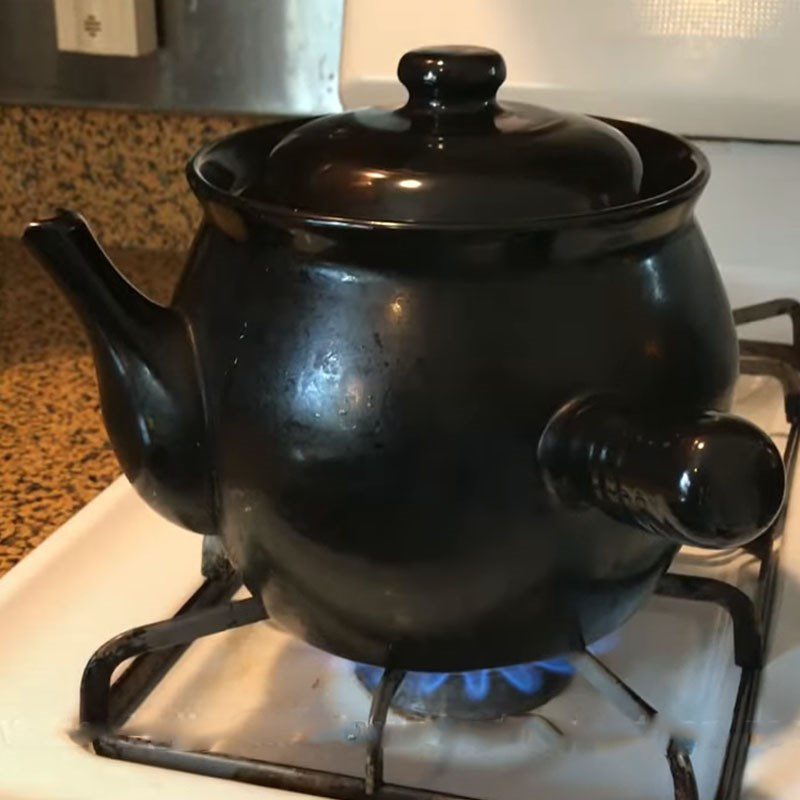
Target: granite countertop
54,452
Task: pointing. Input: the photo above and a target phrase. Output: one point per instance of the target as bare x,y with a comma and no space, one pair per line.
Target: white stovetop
259,692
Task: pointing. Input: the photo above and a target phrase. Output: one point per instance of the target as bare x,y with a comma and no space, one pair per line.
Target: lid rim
204,189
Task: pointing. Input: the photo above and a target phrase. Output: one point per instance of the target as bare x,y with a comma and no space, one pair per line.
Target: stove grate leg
641,713
747,639
170,637
381,700
615,690
680,765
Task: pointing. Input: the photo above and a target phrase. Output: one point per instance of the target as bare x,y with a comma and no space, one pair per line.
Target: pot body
375,400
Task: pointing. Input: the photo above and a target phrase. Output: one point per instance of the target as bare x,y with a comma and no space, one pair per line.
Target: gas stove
135,665
677,704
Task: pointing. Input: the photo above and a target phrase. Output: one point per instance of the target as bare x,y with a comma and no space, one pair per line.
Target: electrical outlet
106,27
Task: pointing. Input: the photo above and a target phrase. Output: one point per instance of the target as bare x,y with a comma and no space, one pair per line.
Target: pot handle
713,480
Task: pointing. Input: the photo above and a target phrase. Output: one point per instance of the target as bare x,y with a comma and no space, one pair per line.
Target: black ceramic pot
449,381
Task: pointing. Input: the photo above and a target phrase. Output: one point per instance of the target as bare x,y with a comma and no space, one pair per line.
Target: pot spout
146,371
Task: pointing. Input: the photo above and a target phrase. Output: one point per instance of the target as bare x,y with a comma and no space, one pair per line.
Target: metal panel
262,56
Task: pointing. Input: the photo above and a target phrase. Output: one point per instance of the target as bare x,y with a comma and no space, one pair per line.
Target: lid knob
451,76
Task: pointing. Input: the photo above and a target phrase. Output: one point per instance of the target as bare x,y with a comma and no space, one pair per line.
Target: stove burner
480,695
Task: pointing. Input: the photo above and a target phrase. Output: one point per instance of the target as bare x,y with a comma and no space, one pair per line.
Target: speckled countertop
54,455
122,170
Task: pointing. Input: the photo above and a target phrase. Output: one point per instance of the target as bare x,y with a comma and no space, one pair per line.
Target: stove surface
258,692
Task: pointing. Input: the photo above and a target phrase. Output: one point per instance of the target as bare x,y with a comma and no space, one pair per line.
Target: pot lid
451,154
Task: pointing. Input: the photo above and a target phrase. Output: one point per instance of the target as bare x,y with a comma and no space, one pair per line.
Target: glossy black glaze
451,154
709,480
356,407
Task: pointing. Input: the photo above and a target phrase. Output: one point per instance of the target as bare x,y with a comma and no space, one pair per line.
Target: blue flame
429,682
370,675
525,678
476,684
560,666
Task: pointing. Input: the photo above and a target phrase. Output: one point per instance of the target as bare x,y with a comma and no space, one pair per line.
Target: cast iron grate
105,707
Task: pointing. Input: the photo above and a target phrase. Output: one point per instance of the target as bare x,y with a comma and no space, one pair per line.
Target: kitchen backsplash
123,171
